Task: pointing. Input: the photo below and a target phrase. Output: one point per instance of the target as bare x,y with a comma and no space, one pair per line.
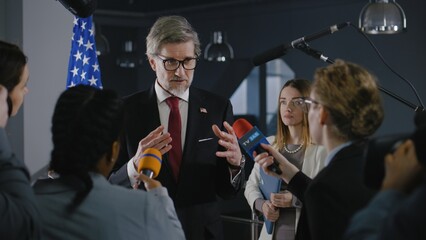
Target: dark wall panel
256,27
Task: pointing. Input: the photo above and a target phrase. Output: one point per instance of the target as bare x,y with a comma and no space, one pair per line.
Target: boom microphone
304,47
281,50
250,139
150,162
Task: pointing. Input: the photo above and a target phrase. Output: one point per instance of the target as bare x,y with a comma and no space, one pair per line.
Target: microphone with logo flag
250,139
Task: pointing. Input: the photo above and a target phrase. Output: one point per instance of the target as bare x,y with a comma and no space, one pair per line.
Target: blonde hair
282,135
171,29
350,94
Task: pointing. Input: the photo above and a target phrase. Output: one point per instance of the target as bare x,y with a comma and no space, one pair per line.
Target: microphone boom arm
304,47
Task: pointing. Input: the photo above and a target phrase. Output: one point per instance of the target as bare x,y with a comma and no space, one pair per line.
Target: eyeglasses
309,102
171,64
295,102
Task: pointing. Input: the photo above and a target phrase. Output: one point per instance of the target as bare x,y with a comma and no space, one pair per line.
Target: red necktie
175,154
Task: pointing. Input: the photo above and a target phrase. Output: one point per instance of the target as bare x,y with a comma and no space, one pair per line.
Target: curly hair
85,123
351,96
12,63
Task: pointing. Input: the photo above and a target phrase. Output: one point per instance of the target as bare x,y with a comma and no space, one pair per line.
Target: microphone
304,47
80,8
283,49
250,138
150,162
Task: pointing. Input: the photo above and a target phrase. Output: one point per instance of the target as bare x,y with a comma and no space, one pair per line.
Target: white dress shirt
164,111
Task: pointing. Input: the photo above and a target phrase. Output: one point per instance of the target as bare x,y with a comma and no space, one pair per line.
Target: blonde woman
293,141
344,109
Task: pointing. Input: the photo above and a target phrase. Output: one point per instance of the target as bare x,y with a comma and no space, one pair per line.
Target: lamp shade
382,17
102,44
218,50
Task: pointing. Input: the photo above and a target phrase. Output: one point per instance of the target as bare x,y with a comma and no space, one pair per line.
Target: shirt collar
163,95
335,151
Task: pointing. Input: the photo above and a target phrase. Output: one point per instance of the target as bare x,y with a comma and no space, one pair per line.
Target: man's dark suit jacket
333,196
203,176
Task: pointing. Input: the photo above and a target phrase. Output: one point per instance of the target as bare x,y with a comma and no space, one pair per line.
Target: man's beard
179,89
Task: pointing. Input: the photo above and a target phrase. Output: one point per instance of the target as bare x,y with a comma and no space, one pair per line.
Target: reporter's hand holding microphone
149,168
155,139
266,159
256,145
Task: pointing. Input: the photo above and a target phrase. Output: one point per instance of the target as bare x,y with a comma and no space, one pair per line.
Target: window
246,99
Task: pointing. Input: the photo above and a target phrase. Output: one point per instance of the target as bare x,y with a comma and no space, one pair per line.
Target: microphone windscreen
150,160
80,8
271,54
241,127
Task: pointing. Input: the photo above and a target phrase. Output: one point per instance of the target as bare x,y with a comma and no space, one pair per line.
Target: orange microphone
150,162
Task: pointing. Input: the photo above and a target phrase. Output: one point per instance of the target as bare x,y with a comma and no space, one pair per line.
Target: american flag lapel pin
203,110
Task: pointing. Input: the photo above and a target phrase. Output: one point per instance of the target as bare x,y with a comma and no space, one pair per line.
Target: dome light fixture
382,17
102,44
218,50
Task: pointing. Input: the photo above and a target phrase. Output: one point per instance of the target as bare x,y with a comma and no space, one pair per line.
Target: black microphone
281,50
304,47
80,8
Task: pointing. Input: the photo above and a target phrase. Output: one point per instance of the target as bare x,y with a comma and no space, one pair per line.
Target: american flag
83,67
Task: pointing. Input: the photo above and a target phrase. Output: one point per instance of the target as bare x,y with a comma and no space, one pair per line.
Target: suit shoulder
209,95
136,96
137,99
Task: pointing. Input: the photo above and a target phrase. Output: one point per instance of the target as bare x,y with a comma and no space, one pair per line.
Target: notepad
268,185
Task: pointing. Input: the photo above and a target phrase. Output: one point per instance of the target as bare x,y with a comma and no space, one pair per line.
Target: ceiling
159,6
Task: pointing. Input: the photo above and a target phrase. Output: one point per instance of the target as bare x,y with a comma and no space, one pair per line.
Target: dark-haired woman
18,211
81,203
13,74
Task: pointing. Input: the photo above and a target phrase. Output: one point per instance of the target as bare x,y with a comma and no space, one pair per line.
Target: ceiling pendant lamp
218,50
382,17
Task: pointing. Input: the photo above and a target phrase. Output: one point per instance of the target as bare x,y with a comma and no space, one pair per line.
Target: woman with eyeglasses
344,109
292,140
